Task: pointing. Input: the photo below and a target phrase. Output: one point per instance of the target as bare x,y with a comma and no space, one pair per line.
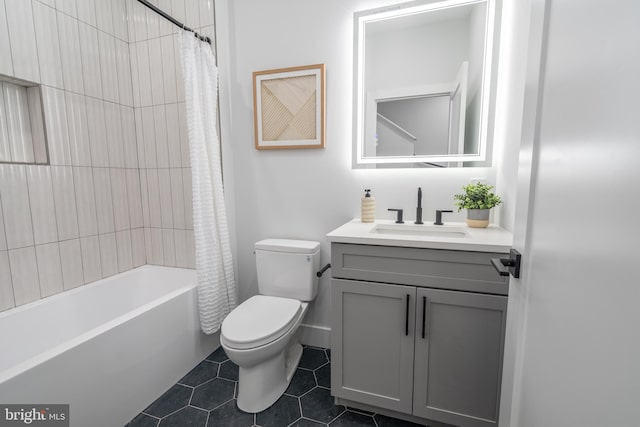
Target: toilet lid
259,320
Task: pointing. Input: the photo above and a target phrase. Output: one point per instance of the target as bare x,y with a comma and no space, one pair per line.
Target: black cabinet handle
424,316
406,318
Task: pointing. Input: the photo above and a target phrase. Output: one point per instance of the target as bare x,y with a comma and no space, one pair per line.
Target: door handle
406,318
512,264
424,316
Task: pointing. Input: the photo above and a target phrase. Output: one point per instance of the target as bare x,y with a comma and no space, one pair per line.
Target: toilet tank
287,268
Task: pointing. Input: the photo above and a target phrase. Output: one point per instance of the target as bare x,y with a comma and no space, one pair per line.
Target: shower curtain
217,294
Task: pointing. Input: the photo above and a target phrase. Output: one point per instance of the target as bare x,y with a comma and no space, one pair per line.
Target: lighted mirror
422,84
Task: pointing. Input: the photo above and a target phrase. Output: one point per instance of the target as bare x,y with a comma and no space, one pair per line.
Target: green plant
476,196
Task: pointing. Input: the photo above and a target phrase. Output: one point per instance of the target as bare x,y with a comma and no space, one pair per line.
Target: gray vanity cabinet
423,340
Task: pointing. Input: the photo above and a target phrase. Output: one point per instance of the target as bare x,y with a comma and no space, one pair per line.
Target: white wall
307,193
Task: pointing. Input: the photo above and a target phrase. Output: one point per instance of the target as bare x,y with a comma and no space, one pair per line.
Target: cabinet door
458,362
372,343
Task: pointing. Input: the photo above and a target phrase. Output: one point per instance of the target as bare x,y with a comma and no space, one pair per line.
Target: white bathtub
108,349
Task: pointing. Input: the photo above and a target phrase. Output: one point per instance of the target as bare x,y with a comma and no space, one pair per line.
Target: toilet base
261,385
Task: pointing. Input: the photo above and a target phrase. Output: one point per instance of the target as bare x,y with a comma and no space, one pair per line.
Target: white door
575,323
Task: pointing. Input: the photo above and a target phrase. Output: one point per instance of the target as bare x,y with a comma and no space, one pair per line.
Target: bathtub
108,349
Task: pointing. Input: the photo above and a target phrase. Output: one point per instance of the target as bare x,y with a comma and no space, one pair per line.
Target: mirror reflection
420,81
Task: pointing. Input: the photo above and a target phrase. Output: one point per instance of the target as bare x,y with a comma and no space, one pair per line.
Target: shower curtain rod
174,20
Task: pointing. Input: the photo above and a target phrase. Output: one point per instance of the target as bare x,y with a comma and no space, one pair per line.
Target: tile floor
205,397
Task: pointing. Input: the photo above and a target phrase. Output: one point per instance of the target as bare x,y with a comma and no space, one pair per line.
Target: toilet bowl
268,358
260,335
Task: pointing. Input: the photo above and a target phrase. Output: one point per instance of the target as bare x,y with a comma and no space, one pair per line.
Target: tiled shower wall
119,172
163,152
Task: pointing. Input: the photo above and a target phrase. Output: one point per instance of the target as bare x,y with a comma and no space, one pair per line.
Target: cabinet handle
424,316
406,318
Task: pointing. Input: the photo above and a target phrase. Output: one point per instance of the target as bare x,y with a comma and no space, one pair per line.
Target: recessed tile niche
22,128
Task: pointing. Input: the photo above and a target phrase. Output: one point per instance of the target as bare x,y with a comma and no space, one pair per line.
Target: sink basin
419,230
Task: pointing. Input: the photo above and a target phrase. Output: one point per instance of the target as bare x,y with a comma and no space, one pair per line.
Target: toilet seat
259,320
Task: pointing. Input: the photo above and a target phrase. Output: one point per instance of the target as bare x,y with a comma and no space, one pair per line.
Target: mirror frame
359,93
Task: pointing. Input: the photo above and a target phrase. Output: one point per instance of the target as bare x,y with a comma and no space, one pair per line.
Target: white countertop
456,236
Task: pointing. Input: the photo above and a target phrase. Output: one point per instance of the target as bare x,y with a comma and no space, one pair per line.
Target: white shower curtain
217,294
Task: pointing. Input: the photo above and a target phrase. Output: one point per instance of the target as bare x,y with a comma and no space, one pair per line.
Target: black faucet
399,218
439,217
419,208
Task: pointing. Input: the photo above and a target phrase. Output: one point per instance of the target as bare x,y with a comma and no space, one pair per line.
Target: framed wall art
289,107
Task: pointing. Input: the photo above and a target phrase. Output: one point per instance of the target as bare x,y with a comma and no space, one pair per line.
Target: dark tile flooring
206,397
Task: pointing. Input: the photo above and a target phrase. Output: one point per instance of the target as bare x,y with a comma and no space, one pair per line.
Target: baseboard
316,336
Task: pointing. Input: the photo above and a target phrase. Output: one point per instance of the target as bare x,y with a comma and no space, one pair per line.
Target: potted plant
478,199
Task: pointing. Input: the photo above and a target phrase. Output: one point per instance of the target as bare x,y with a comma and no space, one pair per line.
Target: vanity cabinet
418,331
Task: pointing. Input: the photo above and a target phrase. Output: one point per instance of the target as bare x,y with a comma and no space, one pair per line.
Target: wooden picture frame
289,107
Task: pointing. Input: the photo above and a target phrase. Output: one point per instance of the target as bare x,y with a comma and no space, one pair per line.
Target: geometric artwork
289,107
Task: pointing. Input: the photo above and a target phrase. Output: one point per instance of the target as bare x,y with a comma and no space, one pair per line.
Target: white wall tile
90,56
137,115
144,188
177,198
206,12
104,16
179,74
91,264
125,92
169,248
104,202
3,237
78,128
140,20
114,134
129,144
108,67
181,248
156,77
68,7
65,202
71,258
120,200
169,69
125,256
192,13
135,85
144,73
134,197
108,254
6,65
49,269
43,214
149,135
162,149
48,46
166,210
131,30
119,13
55,115
15,206
191,250
24,275
147,245
87,11
157,247
97,132
154,198
137,247
153,22
5,143
22,37
70,53
85,201
16,108
188,198
166,27
6,286
184,135
178,10
37,124
173,136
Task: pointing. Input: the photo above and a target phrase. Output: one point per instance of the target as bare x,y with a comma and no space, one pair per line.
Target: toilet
260,334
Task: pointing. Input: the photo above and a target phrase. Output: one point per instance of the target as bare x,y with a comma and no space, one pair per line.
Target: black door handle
406,319
512,264
424,316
